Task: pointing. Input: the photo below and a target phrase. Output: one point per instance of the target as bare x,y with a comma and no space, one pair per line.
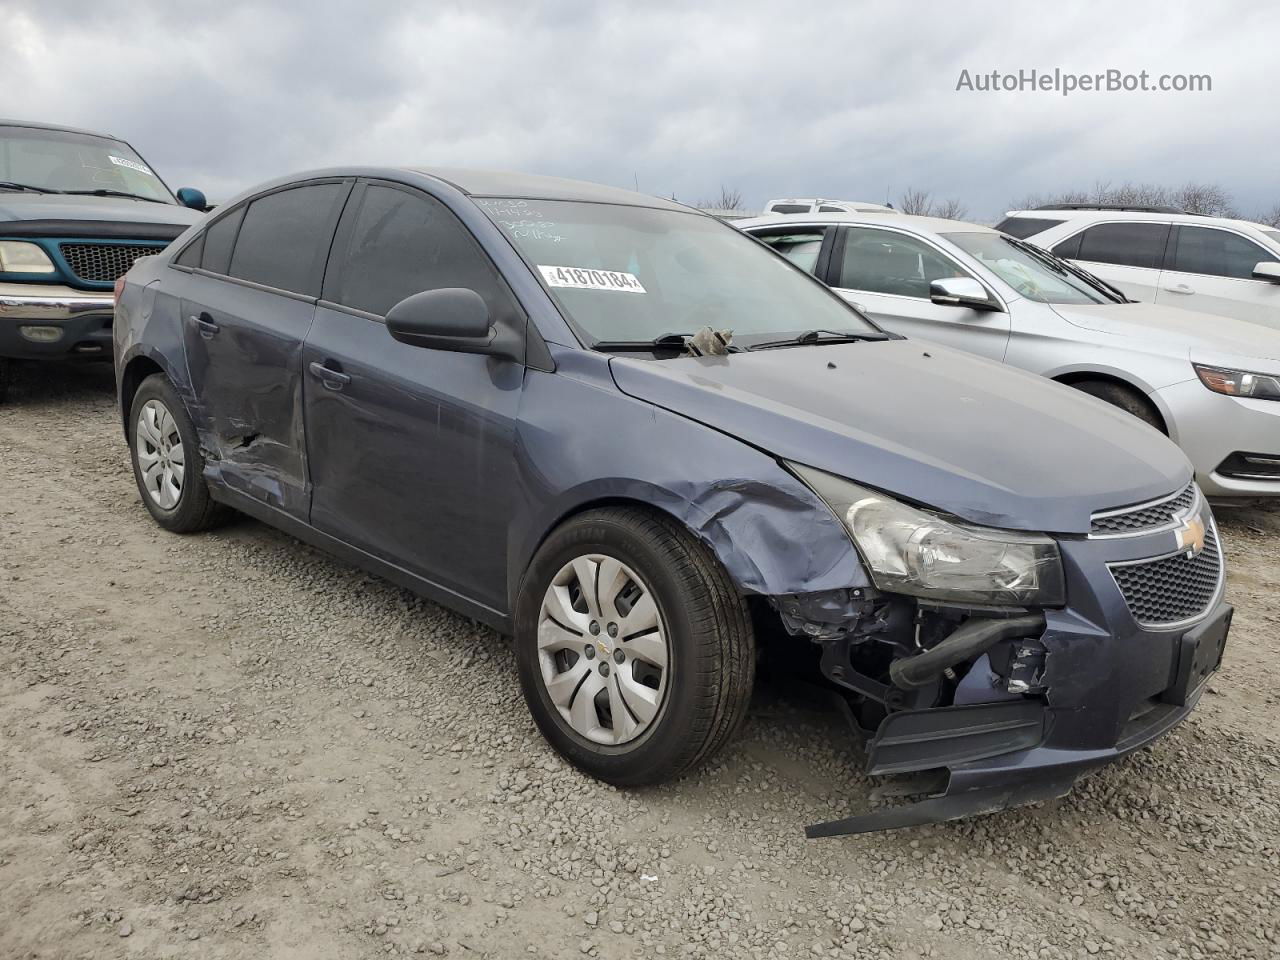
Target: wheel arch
140,363
1073,377
735,538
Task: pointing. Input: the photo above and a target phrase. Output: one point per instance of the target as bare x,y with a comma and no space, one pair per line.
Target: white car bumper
1211,427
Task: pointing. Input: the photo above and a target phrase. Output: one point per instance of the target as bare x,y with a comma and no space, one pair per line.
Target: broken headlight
925,554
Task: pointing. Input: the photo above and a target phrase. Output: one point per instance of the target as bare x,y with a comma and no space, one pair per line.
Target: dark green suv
76,210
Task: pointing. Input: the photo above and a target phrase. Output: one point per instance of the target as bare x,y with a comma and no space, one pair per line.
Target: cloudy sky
847,99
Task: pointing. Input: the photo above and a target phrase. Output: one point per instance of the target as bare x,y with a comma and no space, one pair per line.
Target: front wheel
636,653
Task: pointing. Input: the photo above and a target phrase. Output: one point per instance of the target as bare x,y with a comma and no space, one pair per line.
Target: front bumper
1210,427
81,319
1110,686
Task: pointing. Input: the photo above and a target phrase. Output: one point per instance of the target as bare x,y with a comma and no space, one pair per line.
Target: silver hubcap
603,649
161,459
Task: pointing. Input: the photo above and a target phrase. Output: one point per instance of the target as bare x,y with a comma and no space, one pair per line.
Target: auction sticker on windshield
131,164
586,278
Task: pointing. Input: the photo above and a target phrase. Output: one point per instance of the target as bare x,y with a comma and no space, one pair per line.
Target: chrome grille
1144,517
103,262
1172,589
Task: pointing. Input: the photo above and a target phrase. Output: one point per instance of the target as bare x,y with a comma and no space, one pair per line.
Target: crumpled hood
968,436
1200,336
51,206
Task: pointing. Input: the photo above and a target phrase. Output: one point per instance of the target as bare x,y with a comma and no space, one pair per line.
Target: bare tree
951,209
1205,198
916,202
730,199
921,203
1210,199
1271,218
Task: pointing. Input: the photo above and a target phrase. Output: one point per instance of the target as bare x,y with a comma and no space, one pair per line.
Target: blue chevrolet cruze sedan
641,443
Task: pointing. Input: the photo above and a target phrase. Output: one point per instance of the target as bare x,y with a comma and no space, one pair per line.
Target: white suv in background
1161,255
818,205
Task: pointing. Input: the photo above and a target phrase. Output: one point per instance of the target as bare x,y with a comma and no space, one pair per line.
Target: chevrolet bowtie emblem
1191,535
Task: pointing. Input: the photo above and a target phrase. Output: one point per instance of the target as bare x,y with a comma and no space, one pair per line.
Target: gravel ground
229,745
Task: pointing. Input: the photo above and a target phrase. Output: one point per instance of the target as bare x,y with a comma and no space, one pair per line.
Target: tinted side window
1023,227
800,246
1069,249
285,238
789,208
403,243
1216,253
880,261
219,239
825,209
192,253
1125,244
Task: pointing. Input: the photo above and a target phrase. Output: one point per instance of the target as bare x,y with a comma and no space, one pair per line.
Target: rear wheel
167,462
6,373
1126,398
635,651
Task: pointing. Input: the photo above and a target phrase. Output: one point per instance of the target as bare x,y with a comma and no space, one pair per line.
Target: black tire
710,639
6,375
1126,398
194,510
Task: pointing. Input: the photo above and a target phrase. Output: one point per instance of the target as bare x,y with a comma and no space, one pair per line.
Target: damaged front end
1001,704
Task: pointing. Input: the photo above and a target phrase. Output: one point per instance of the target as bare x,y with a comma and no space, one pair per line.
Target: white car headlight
1239,383
918,552
18,256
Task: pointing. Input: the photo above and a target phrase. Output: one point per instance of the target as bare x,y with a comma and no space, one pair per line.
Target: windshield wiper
668,341
103,192
816,338
1064,267
12,185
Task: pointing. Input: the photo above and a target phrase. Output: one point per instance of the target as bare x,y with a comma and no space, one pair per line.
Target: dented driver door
244,354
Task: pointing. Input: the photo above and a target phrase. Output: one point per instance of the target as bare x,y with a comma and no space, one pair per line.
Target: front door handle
332,379
204,323
1181,288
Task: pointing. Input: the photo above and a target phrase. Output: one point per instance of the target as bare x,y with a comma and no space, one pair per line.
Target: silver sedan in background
1211,383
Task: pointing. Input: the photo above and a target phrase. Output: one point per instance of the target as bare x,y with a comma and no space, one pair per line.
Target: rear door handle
204,323
1181,288
332,379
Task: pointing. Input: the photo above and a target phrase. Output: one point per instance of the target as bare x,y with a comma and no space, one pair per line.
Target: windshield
1034,278
1273,234
57,161
624,274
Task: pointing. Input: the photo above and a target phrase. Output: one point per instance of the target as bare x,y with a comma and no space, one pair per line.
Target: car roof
1104,214
530,186
34,125
872,219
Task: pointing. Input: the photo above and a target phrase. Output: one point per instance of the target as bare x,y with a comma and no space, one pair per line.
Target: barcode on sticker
587,278
131,164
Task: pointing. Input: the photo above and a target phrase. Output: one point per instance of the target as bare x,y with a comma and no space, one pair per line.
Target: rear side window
1216,253
403,243
801,247
1125,244
881,261
789,208
218,241
192,253
285,238
1023,227
825,209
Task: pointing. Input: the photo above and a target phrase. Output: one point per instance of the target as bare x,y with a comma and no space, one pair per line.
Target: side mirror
1267,270
454,319
193,198
961,292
